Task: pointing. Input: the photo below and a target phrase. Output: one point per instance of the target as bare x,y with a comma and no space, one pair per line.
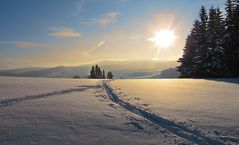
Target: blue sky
73,32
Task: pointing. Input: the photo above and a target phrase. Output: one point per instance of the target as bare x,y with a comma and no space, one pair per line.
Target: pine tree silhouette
92,72
110,75
97,73
186,68
103,76
211,48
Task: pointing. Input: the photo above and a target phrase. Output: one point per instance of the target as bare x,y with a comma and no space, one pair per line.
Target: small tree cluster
97,73
211,48
110,75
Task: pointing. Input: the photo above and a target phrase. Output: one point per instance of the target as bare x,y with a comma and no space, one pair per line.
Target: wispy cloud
62,32
108,18
97,46
22,44
27,44
104,20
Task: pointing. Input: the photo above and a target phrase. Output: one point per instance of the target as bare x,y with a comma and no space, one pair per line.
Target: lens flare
163,38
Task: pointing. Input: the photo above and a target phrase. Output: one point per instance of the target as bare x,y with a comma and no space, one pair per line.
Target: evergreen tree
211,49
237,19
200,59
110,75
92,72
236,30
97,73
228,35
186,68
236,2
231,39
215,52
103,76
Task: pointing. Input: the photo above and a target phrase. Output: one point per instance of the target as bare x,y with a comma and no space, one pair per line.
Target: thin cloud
104,20
22,44
27,44
108,18
97,46
63,32
101,43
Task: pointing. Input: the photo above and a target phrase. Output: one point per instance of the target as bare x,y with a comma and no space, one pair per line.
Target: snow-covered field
77,111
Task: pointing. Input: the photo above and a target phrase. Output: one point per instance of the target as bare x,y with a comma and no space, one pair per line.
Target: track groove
12,101
189,134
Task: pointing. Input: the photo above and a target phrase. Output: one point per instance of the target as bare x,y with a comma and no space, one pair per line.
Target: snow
68,111
11,87
82,111
210,105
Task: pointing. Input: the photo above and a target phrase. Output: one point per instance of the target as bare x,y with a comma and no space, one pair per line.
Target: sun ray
163,38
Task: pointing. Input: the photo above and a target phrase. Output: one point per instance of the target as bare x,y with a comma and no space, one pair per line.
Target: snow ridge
193,135
12,101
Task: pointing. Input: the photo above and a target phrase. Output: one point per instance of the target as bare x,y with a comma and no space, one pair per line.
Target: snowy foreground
70,111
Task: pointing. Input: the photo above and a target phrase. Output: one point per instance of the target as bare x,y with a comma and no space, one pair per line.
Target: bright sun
163,38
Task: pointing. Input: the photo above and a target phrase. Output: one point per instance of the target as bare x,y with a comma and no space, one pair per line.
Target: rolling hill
120,69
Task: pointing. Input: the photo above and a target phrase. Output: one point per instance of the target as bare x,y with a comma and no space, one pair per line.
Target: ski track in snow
191,134
181,130
12,101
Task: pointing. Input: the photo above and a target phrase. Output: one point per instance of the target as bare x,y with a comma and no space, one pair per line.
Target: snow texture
77,111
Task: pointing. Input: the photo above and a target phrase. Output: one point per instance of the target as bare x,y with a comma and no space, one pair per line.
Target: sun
163,38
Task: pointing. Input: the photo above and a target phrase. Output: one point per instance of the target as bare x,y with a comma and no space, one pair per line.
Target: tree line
212,47
97,73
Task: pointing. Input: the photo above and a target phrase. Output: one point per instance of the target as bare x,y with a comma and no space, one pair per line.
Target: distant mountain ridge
120,69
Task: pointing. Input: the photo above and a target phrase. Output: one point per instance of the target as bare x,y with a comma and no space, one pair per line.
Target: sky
44,33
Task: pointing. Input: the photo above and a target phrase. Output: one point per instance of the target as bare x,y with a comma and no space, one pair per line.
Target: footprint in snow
136,125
